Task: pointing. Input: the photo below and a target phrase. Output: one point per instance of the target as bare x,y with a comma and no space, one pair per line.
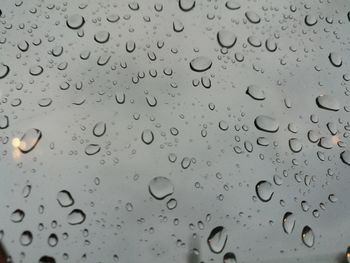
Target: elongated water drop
29,140
217,239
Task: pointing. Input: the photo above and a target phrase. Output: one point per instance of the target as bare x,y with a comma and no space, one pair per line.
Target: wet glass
174,131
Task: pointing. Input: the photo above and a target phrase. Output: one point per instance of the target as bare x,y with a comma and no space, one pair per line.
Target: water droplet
327,102
307,236
4,70
92,149
29,140
52,240
264,190
310,20
229,257
252,17
232,5
160,187
26,238
45,102
271,45
47,259
187,5
147,136
64,198
266,123
226,38
217,239
75,21
200,64
4,121
17,216
288,222
102,36
345,157
255,92
295,145
36,70
178,26
335,59
99,129
76,217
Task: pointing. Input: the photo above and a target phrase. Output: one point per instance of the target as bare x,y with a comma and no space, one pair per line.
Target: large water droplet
232,5
307,236
92,149
252,17
345,157
17,216
26,238
102,36
147,136
327,102
4,121
4,70
288,222
217,239
99,129
29,140
64,198
75,21
200,64
264,190
229,257
255,92
226,38
295,145
266,123
335,59
76,217
187,5
160,187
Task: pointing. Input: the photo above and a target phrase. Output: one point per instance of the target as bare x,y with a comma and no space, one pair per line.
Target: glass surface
174,131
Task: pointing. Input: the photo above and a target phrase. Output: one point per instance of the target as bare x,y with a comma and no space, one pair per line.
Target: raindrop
232,5
252,17
92,149
102,36
187,5
226,38
264,190
200,64
17,216
255,92
288,222
64,198
29,140
217,239
295,145
307,236
160,187
99,129
147,136
335,59
345,157
327,102
229,257
26,238
75,21
4,121
76,217
266,123
4,70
